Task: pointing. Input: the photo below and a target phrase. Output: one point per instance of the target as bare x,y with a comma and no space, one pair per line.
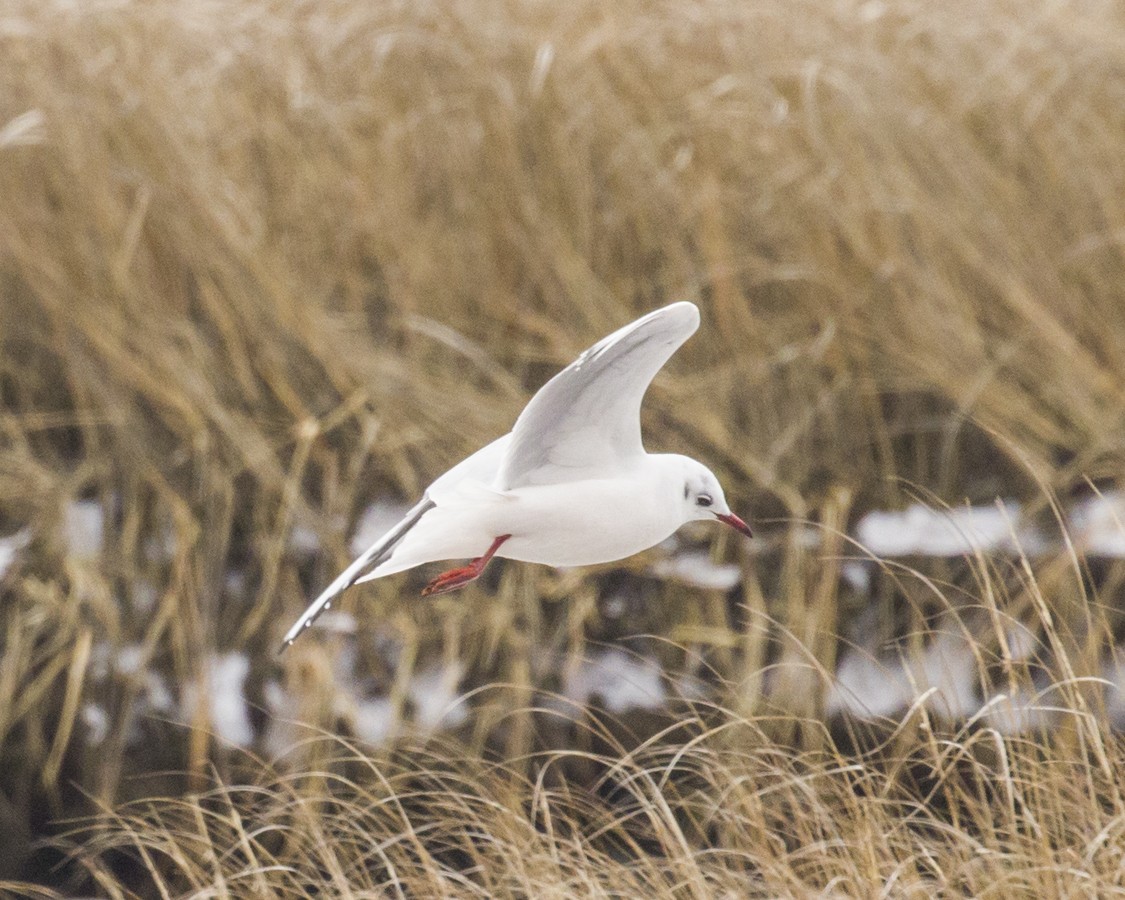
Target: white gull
570,485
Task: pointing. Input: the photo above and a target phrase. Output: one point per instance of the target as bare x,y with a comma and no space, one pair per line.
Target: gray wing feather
481,466
587,418
370,558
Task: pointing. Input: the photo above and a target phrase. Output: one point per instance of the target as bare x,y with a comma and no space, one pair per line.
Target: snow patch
697,569
145,594
614,607
160,546
83,528
337,622
282,734
922,531
96,720
303,541
11,546
374,719
433,691
226,706
688,686
1022,641
131,663
129,659
1019,713
1114,672
621,680
1097,525
868,687
857,576
159,696
236,582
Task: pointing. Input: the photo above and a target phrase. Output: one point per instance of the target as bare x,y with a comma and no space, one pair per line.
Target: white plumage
570,485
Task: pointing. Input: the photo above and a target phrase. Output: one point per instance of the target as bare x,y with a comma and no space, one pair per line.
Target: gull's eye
704,500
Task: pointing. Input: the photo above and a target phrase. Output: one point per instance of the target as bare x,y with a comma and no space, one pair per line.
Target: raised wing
586,420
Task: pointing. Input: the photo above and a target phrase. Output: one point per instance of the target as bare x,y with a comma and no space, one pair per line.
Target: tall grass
722,811
264,262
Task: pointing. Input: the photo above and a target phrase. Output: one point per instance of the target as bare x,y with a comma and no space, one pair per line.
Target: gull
570,485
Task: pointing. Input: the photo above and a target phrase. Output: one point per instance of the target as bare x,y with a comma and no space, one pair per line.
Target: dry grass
263,262
726,814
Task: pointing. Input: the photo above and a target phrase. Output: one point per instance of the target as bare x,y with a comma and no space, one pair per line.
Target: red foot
455,578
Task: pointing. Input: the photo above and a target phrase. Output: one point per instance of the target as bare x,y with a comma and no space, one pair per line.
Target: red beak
734,522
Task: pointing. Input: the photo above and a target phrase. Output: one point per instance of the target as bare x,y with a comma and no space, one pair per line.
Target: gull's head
702,495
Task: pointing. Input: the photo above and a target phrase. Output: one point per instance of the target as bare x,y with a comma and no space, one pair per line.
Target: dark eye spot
686,491
704,500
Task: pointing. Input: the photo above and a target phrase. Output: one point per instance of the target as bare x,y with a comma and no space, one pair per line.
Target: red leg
455,578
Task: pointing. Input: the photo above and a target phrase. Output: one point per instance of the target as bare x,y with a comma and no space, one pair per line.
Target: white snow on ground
689,686
235,582
337,621
282,733
433,691
621,680
858,575
129,662
96,720
1097,525
153,697
615,606
1024,711
379,518
374,719
922,531
868,688
229,714
145,594
129,659
871,688
303,541
696,568
161,544
83,528
1114,673
866,684
11,546
1022,641
159,696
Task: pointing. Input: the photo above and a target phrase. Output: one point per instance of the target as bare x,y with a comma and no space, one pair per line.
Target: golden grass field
264,263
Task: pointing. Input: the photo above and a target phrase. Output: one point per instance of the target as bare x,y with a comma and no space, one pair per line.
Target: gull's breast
585,522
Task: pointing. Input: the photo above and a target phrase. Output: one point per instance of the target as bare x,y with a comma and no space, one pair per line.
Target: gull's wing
586,420
370,558
481,466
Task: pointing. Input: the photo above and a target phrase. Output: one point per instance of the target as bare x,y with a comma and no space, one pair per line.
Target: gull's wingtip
310,615
684,310
291,637
349,576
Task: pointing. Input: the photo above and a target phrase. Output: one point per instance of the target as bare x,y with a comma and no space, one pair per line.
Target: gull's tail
371,557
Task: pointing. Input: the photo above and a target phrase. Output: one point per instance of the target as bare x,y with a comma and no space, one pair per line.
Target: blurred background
267,268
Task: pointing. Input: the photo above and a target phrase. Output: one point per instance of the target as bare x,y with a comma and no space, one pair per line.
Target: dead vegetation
262,263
